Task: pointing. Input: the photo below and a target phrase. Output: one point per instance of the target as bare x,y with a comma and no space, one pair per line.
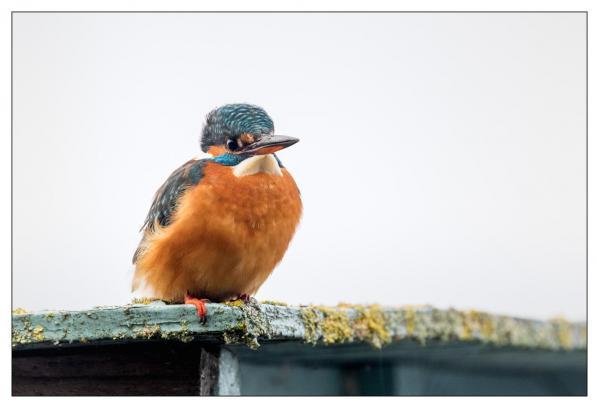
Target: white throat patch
258,164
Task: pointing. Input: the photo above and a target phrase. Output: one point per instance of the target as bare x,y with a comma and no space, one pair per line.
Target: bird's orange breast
226,237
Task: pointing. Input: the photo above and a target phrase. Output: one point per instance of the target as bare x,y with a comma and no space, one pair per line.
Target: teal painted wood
249,324
228,374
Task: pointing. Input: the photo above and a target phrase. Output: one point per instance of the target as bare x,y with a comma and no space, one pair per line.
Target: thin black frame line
302,11
11,170
587,195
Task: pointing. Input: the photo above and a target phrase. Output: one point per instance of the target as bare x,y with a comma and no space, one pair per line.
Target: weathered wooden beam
253,323
256,349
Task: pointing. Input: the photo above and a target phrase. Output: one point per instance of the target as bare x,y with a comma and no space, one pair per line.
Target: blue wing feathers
166,199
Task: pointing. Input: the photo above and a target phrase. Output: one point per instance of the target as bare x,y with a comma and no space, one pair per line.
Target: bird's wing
165,201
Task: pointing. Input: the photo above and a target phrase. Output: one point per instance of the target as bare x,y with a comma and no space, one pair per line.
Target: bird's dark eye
232,145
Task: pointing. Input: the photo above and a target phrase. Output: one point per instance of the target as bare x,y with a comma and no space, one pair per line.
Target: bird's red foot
200,305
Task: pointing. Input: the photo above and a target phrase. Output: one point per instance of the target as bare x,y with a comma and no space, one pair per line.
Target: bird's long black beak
269,144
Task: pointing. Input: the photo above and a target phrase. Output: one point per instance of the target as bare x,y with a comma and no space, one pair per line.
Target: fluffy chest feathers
228,233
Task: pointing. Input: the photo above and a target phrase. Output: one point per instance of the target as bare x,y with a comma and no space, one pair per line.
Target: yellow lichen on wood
143,300
38,333
470,325
147,332
311,320
345,323
234,303
564,333
473,322
371,325
487,329
28,334
410,316
273,303
335,325
251,326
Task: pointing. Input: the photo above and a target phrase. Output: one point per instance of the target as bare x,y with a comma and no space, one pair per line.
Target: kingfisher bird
218,226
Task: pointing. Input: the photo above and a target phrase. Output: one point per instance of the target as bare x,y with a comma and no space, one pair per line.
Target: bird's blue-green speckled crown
233,120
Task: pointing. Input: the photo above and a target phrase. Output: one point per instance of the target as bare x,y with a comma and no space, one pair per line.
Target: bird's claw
200,305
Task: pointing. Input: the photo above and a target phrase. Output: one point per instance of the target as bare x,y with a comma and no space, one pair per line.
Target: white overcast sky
442,156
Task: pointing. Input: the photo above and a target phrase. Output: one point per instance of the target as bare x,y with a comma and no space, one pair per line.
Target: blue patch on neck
228,159
278,161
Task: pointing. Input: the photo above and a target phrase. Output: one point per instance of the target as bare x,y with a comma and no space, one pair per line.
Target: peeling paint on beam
254,323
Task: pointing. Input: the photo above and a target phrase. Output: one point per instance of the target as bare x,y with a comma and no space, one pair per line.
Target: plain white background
442,158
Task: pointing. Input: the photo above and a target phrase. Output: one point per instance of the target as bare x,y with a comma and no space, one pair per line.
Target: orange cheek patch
247,139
